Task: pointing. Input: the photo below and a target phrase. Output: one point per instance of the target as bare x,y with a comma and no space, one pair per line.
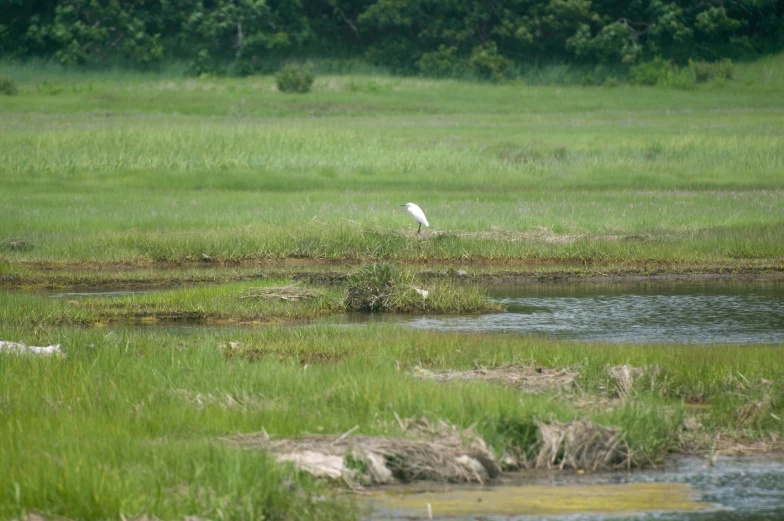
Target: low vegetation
140,170
251,302
130,422
295,78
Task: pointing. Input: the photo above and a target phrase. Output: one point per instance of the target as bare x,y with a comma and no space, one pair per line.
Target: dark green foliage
489,39
489,64
441,63
295,78
7,86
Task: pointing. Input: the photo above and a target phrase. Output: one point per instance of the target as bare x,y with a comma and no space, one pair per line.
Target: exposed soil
113,276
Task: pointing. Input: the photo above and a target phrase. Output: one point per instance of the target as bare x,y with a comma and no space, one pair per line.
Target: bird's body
418,215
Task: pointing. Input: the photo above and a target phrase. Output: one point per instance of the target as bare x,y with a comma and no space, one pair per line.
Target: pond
682,312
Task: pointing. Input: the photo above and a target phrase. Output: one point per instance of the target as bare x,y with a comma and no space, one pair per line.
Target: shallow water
735,489
692,311
682,312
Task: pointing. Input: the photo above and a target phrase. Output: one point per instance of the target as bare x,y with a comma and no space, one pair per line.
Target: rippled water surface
684,312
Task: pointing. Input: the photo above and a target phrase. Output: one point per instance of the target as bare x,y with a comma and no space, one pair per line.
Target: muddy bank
103,276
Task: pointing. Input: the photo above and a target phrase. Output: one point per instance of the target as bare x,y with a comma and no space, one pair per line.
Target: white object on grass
418,214
21,349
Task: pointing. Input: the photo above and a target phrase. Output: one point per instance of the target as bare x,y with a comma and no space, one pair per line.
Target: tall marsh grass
129,423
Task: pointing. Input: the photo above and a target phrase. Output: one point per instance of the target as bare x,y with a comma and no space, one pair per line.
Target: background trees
436,37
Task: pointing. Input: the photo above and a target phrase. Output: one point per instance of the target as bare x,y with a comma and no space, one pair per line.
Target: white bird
418,214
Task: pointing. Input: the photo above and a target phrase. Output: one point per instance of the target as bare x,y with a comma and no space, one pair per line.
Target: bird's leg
419,231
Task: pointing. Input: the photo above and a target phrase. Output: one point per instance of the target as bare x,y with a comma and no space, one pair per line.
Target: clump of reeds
383,286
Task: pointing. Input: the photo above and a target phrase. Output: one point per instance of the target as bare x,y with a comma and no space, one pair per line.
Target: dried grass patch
290,293
441,452
581,445
525,377
625,378
428,451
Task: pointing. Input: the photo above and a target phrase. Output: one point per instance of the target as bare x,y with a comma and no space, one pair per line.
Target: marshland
205,251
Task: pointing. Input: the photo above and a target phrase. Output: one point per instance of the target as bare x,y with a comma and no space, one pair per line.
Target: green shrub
489,64
51,89
650,73
662,73
364,86
678,79
7,86
294,78
441,63
611,82
587,80
705,71
204,66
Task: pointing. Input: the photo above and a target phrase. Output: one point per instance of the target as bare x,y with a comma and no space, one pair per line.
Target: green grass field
204,191
139,169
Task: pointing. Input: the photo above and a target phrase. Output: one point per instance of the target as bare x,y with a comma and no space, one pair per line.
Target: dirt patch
429,451
525,377
545,235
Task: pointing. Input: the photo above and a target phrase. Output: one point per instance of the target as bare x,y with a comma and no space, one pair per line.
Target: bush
612,81
650,73
705,71
587,80
441,63
489,64
7,86
204,66
294,78
662,73
678,79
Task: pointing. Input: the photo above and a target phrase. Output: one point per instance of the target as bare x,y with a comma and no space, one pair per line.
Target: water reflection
683,312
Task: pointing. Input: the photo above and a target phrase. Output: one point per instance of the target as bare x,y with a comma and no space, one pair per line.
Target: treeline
434,37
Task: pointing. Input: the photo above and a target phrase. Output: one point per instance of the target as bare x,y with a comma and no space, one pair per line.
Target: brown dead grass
581,445
524,377
439,451
427,451
290,293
